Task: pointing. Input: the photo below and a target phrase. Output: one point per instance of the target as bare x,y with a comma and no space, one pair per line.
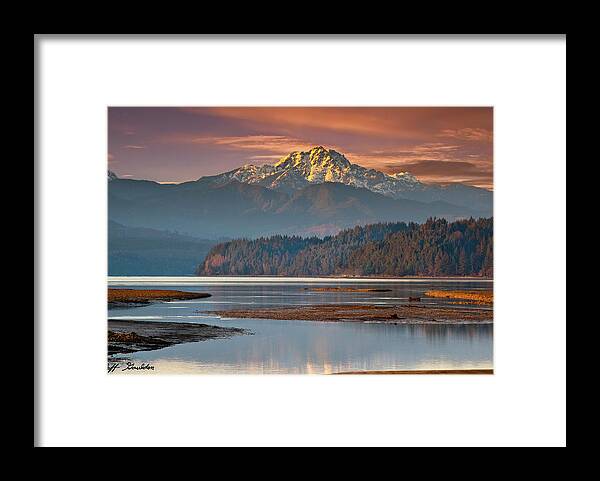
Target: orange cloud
424,152
413,122
479,135
277,146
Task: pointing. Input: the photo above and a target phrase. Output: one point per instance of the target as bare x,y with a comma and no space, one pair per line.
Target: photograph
300,240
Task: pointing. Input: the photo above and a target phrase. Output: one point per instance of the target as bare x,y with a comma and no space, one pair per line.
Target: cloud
273,147
336,119
436,171
399,155
433,162
392,123
478,135
437,168
264,148
248,141
134,147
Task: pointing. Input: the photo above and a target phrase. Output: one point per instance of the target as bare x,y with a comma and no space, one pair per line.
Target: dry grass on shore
476,297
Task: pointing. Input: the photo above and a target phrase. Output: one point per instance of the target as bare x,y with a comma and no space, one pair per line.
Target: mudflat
345,289
400,314
135,297
126,336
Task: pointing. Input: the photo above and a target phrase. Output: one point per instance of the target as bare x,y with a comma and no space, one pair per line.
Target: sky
177,144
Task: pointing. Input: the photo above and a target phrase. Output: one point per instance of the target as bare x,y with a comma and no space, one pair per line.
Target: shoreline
314,278
420,371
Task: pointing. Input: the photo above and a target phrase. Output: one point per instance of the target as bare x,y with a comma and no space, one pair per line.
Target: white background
522,404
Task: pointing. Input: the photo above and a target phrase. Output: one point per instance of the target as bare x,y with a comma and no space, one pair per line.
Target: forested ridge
434,248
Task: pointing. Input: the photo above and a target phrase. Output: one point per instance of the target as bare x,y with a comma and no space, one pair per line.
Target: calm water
305,346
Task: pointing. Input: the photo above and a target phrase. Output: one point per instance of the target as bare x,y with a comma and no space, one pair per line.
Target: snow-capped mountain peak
405,176
318,165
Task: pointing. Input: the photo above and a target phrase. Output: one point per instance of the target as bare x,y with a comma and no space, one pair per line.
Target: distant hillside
435,248
137,251
210,209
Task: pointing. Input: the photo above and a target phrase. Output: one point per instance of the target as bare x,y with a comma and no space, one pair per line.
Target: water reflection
311,347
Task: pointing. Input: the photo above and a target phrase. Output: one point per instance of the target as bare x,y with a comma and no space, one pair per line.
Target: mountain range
319,165
318,192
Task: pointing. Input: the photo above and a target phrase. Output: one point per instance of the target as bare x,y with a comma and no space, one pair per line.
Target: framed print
299,240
